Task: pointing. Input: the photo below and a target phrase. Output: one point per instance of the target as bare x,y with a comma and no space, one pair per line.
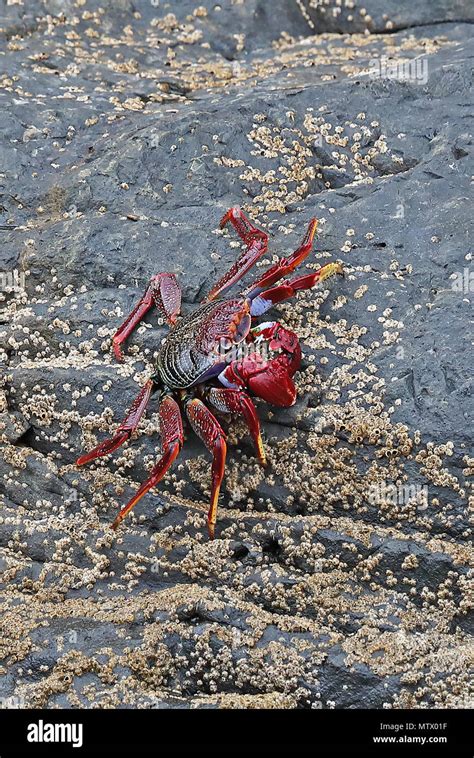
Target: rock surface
340,576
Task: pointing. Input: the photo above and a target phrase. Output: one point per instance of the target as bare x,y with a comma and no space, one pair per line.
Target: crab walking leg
242,225
162,291
126,428
266,299
171,428
210,431
285,265
237,401
257,243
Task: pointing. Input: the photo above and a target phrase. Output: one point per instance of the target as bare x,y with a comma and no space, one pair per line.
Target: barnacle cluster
333,557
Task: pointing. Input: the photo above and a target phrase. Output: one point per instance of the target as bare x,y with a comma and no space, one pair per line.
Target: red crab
213,357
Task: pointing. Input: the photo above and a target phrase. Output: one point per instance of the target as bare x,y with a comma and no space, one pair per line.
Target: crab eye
243,328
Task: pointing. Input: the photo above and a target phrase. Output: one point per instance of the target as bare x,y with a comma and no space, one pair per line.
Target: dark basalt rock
340,575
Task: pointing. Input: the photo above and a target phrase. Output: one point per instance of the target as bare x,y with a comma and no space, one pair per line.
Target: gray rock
339,576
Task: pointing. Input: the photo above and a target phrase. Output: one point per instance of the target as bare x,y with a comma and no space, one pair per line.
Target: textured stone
339,576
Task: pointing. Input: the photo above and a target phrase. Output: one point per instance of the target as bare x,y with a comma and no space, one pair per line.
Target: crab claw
273,383
268,376
279,339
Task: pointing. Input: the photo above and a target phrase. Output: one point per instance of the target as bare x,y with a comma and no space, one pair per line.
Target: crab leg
163,291
267,298
171,428
285,265
257,243
237,401
210,431
126,428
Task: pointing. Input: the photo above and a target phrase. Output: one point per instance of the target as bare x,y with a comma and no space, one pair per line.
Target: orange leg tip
261,452
117,352
86,458
313,225
329,270
262,458
225,219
